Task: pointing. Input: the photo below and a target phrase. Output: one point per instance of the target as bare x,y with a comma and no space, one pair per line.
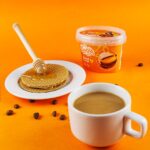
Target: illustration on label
107,59
86,50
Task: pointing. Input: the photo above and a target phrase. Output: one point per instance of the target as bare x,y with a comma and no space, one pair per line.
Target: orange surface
50,28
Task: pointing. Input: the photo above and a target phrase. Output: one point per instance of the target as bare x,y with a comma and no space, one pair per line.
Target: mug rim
127,105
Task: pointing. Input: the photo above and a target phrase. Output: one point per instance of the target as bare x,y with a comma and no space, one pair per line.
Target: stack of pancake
56,77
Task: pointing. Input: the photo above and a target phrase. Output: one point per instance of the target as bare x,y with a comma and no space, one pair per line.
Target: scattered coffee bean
36,115
54,101
116,84
140,64
9,112
62,117
54,113
16,106
31,100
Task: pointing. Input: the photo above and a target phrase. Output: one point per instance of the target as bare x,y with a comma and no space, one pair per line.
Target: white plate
78,77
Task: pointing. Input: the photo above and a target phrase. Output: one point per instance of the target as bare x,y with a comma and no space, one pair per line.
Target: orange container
101,47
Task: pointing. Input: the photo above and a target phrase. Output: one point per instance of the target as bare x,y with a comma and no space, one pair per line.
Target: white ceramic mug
102,130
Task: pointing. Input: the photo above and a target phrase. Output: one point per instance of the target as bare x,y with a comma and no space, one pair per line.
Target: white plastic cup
95,48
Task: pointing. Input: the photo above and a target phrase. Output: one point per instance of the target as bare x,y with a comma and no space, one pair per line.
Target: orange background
50,27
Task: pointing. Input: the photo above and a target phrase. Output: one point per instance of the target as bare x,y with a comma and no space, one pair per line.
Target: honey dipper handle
23,39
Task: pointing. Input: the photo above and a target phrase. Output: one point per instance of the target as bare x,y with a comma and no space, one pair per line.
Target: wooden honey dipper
38,64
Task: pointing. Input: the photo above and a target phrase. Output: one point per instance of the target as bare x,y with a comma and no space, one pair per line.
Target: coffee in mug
96,126
99,103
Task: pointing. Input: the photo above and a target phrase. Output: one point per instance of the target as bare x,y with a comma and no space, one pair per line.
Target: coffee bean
54,101
16,106
9,112
109,33
102,35
32,100
54,113
36,115
62,117
140,64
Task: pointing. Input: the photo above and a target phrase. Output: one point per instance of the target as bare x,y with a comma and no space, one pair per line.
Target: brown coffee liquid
99,103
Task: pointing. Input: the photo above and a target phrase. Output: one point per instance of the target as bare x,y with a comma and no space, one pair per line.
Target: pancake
38,90
55,77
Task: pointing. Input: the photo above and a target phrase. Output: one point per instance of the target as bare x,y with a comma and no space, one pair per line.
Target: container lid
98,40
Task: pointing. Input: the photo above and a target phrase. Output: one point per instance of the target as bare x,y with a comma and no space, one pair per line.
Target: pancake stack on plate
56,77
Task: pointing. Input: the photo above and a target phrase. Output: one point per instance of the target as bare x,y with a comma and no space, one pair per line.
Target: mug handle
137,118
